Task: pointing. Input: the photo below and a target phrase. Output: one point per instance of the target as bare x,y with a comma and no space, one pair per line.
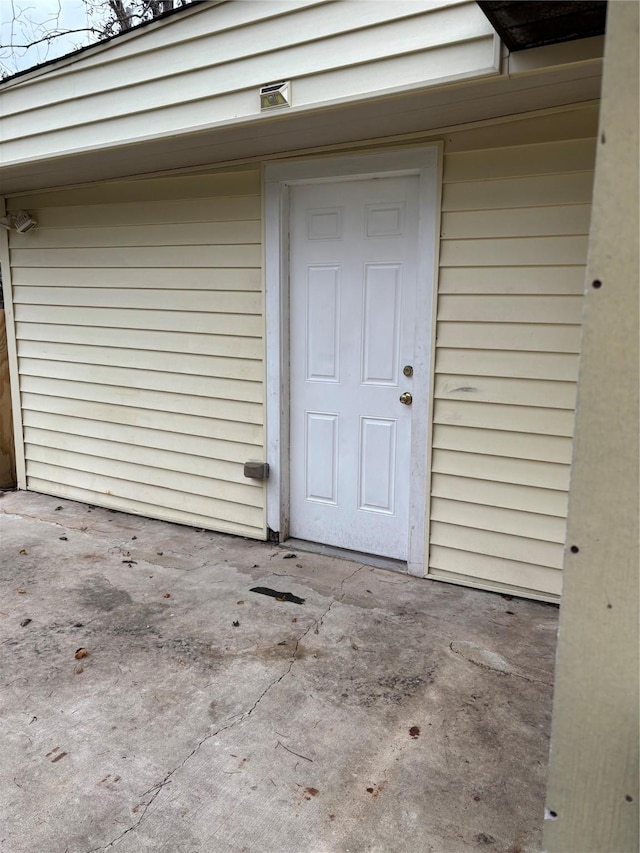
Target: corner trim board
12,348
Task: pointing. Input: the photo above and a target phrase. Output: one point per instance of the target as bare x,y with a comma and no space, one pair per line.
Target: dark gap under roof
522,24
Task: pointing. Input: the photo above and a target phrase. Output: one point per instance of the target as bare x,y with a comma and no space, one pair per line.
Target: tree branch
28,29
49,37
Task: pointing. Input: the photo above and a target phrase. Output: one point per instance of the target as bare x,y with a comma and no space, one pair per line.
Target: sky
25,21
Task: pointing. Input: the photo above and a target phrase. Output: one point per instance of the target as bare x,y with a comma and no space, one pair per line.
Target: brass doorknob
406,398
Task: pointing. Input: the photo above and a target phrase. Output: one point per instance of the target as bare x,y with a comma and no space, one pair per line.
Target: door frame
425,162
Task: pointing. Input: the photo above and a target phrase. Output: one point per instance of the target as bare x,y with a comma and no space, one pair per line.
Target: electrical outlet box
256,470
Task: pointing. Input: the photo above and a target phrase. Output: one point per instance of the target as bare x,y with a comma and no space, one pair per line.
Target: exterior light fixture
275,95
22,221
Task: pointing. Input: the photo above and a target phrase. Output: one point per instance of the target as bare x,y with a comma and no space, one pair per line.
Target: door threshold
345,554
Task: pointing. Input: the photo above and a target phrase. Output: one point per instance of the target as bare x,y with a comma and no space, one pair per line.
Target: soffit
291,133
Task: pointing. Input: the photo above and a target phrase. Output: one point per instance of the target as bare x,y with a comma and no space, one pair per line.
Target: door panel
323,323
381,324
376,470
353,313
321,457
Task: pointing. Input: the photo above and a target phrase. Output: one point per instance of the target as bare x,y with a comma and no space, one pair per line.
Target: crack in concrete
334,600
284,575
315,626
140,560
15,517
490,668
118,548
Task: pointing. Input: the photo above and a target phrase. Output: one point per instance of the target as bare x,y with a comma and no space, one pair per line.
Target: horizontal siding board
239,182
465,564
187,364
493,493
192,278
565,310
151,320
234,302
539,421
45,445
528,337
181,211
190,27
514,522
155,341
516,548
141,256
538,280
204,407
538,190
269,20
561,367
574,155
41,441
513,251
175,476
491,442
568,219
507,391
116,236
69,428
448,61
134,379
578,123
139,507
127,489
510,391
171,423
527,472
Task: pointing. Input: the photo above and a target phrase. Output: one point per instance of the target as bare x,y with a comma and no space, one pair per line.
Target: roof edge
103,44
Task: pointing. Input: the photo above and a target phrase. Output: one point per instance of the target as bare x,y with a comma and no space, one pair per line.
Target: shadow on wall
7,455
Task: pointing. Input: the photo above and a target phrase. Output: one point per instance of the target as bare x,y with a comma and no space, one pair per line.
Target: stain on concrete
193,650
57,755
96,591
390,689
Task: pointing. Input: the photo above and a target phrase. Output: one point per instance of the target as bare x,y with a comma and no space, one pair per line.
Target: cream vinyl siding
138,310
204,68
515,220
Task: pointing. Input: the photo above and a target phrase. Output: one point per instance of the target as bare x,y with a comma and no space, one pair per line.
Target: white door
353,271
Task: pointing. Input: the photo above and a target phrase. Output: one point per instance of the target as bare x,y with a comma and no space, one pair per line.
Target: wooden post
7,451
592,795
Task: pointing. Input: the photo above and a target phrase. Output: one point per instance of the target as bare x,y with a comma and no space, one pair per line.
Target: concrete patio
384,714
